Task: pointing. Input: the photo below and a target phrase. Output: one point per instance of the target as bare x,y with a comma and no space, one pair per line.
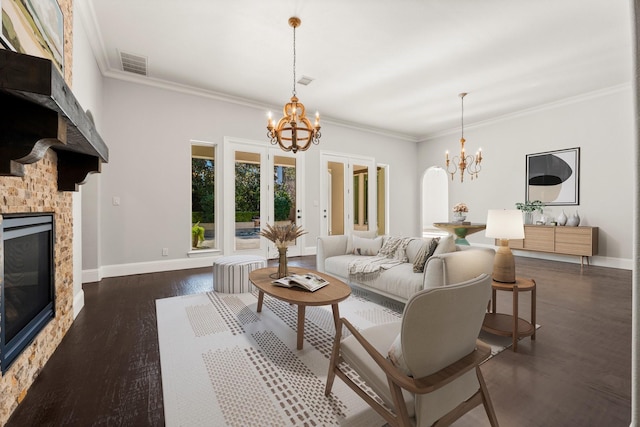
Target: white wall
601,124
87,88
148,131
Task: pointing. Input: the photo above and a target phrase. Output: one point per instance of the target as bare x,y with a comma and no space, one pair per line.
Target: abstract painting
553,177
34,27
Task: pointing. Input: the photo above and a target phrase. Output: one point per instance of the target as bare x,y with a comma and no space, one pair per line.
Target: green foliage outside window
282,205
247,187
202,190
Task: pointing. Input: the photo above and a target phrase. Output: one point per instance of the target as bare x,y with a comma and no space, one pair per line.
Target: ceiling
391,66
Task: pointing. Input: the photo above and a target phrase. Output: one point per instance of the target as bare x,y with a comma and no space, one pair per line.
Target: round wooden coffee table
331,294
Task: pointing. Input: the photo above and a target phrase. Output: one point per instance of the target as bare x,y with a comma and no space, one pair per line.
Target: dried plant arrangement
280,235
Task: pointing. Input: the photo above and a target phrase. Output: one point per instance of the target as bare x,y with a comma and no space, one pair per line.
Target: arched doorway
435,200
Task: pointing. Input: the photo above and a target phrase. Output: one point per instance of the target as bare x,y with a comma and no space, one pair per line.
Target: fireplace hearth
27,290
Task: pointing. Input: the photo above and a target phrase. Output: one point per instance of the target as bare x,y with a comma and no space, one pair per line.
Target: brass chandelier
294,132
464,162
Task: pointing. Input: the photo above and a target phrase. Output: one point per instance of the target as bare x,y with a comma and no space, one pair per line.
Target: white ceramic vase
573,220
459,216
562,219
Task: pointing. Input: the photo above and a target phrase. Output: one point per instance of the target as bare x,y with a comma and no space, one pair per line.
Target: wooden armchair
435,376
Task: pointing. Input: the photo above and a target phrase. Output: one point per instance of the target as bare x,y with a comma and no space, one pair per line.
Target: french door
261,187
349,196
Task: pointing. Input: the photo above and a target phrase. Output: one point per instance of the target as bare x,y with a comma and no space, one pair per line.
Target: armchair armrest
328,246
431,382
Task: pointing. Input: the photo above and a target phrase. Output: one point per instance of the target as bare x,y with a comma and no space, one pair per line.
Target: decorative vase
528,218
574,220
459,216
283,271
562,219
194,241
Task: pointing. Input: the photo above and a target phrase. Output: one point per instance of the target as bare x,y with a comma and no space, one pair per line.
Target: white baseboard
78,303
96,275
147,267
601,261
90,276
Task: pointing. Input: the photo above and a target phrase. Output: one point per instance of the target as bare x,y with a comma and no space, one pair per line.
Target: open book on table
307,281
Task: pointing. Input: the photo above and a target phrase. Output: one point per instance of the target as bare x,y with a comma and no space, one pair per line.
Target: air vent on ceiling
133,63
305,80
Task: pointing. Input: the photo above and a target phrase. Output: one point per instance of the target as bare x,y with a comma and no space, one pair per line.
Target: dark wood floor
106,372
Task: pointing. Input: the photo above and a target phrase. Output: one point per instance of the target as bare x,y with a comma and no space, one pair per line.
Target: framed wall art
34,27
553,177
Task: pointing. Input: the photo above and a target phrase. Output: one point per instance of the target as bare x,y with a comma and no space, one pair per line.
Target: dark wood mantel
40,112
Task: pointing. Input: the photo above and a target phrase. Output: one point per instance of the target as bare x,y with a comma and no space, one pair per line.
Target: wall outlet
165,251
115,201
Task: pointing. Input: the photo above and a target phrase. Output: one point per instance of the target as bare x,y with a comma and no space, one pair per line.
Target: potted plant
529,207
197,234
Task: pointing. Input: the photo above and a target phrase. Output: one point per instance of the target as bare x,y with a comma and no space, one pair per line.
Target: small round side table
510,325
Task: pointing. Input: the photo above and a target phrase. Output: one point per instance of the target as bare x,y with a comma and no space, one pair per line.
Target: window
203,230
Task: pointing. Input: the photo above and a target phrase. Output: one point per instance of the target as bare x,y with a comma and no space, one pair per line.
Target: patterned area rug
224,364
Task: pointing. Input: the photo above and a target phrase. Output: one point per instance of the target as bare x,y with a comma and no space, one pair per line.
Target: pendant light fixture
464,162
294,132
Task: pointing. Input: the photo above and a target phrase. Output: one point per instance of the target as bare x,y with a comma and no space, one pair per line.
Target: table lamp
504,225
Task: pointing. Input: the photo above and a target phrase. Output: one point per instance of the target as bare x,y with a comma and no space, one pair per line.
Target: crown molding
532,110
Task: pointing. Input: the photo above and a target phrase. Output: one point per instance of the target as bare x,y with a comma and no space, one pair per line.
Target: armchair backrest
441,325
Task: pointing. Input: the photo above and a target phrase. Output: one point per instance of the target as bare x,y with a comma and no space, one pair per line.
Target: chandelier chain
294,61
462,118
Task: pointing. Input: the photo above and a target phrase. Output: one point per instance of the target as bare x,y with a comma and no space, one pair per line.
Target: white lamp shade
505,224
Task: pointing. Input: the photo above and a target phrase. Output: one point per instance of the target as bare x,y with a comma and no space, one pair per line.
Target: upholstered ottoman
231,273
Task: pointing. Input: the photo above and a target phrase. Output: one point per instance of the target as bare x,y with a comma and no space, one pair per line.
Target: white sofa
449,264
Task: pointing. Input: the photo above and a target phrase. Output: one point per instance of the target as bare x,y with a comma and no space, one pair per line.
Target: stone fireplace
37,192
48,145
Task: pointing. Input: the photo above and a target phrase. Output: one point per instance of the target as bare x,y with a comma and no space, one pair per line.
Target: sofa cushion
366,234
396,357
399,280
369,247
424,253
339,265
414,246
445,245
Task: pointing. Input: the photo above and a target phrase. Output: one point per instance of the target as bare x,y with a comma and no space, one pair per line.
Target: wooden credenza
580,241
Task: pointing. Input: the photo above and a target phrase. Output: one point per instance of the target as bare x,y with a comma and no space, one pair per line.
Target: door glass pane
203,197
360,197
381,201
336,197
284,195
247,200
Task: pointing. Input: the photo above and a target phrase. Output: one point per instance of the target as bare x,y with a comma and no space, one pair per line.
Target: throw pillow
367,234
423,255
362,246
395,248
396,357
446,245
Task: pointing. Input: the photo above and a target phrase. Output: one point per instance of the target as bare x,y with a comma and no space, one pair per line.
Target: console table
580,241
